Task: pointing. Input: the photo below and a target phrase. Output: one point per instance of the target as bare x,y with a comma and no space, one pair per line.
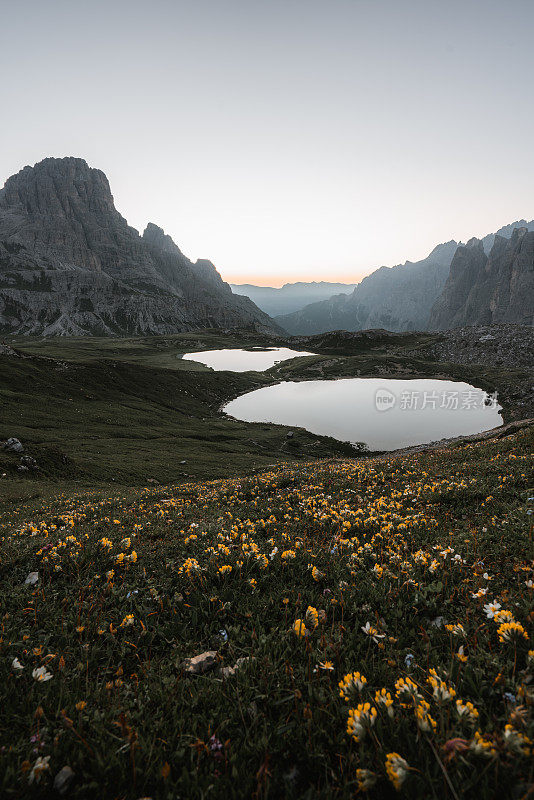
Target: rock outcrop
71,265
396,298
489,289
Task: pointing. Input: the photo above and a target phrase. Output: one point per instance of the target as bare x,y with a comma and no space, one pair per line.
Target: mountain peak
155,237
70,263
56,187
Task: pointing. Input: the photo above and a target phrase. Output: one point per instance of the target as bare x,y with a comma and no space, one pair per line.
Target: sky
282,139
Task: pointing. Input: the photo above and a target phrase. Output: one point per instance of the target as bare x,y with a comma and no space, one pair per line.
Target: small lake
385,414
235,360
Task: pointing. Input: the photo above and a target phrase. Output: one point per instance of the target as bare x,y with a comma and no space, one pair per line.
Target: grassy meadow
365,626
370,625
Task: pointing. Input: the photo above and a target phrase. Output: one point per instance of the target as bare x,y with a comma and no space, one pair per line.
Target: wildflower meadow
364,626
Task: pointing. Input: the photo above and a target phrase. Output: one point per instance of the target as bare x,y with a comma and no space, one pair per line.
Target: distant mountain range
487,280
291,296
71,265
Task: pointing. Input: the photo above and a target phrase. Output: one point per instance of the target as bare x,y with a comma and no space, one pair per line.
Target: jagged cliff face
397,299
71,265
486,289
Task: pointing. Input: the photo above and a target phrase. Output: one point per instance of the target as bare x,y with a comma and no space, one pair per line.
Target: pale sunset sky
283,139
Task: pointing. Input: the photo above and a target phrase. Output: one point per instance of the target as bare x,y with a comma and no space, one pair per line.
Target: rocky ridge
429,293
489,288
71,265
397,298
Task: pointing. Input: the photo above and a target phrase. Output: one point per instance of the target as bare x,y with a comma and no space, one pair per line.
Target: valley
127,411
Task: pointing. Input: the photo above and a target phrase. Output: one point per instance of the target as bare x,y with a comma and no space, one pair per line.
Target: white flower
32,578
41,765
491,609
41,675
529,584
487,577
15,664
372,632
479,593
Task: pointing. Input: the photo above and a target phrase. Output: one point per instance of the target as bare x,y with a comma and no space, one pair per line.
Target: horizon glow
295,140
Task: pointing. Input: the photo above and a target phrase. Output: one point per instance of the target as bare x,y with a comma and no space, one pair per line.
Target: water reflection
244,360
384,413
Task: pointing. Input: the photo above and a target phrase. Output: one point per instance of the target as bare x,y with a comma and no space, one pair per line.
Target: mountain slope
291,296
401,298
396,298
483,289
71,265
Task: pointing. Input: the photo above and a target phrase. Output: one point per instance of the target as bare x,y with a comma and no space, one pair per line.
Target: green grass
100,422
98,412
120,709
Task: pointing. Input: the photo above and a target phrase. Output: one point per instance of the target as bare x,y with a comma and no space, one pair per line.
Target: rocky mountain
485,289
506,231
291,296
396,298
71,265
409,296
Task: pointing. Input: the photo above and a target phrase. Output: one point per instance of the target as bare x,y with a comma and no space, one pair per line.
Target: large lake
384,414
244,360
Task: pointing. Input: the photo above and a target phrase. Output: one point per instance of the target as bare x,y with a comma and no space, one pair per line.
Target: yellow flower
509,631
300,628
316,574
359,719
383,698
312,617
460,655
424,721
366,779
80,705
517,741
482,745
378,570
456,630
397,769
440,689
406,689
466,711
353,681
226,568
288,554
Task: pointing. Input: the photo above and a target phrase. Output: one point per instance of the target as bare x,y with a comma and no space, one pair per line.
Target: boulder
200,664
13,445
63,780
